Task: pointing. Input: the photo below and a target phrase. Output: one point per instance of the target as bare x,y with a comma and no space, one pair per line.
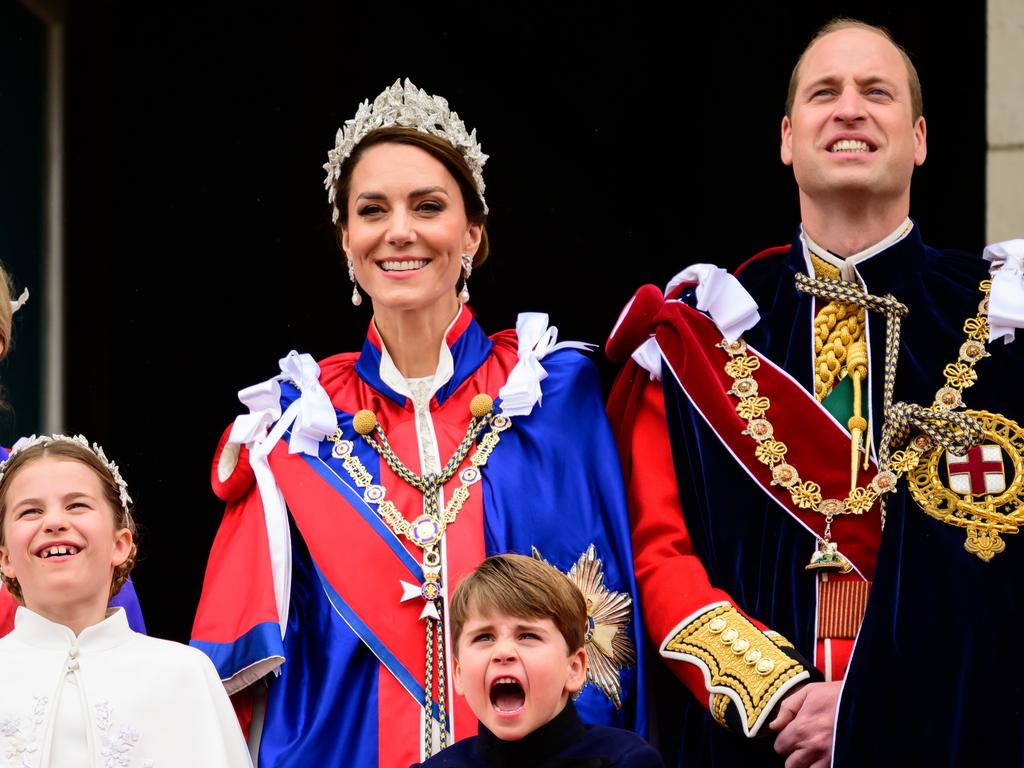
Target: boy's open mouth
507,695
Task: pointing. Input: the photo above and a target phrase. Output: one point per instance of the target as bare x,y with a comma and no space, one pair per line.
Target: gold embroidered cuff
741,664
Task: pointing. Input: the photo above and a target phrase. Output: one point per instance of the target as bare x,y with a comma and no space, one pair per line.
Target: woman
402,467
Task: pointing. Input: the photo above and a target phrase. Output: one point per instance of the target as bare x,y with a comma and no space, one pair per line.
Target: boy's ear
457,677
577,670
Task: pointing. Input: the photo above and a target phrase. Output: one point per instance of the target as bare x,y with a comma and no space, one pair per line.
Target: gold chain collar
806,494
427,530
985,515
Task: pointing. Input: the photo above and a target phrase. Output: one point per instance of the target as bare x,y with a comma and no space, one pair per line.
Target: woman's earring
357,298
467,270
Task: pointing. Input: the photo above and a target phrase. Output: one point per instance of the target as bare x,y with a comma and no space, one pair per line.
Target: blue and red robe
350,685
927,682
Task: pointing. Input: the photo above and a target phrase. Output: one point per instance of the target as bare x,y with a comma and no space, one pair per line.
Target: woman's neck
413,337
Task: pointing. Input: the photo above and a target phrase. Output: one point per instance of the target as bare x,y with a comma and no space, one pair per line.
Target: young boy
520,627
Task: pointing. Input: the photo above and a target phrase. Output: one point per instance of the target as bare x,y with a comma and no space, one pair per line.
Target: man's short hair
525,587
916,99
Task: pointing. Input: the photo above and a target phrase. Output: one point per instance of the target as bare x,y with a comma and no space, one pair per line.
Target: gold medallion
981,491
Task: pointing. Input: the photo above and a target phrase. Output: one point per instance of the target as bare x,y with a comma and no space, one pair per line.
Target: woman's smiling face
407,229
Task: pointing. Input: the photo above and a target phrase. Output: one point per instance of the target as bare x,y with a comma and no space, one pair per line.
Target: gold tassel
857,368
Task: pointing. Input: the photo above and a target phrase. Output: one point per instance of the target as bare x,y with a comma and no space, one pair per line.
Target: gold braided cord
837,326
435,640
428,692
822,268
442,699
953,431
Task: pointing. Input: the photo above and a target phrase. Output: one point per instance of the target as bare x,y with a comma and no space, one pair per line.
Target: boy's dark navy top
564,742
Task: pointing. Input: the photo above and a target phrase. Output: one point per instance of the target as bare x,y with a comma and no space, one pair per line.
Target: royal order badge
609,648
980,491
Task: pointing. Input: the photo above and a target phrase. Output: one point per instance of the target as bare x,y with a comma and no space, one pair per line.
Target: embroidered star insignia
609,648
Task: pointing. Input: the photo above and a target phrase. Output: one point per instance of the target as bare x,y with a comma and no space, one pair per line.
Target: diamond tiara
115,473
409,107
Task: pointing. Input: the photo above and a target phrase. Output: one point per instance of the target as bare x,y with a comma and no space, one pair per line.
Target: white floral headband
27,442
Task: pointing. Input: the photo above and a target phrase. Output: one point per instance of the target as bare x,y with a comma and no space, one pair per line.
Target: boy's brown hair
521,586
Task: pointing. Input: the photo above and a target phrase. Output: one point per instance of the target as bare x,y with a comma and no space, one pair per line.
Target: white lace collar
393,377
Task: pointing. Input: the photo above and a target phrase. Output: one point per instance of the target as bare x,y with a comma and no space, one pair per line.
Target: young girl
126,598
80,687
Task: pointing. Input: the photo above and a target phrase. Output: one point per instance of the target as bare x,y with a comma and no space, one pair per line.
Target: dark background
625,145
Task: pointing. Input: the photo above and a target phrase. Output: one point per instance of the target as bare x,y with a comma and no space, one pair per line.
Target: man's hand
804,725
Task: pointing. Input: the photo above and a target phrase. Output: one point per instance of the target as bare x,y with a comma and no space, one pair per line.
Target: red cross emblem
979,473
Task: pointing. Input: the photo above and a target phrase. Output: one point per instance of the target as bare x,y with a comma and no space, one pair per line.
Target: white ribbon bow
311,418
722,296
522,390
1006,299
20,301
648,357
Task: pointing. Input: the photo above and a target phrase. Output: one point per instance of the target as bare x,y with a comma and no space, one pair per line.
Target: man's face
852,128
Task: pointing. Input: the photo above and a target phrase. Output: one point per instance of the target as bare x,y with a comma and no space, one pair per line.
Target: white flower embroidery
22,741
116,744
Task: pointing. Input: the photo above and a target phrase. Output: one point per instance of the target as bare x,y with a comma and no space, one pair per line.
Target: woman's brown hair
436,147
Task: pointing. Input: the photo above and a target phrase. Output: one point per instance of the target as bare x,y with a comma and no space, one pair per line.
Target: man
813,438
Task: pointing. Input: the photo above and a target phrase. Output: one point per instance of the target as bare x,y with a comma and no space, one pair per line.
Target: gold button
716,625
481,405
740,646
765,666
364,422
753,656
729,636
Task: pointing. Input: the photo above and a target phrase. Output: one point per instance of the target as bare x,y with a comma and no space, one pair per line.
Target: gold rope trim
719,704
837,325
